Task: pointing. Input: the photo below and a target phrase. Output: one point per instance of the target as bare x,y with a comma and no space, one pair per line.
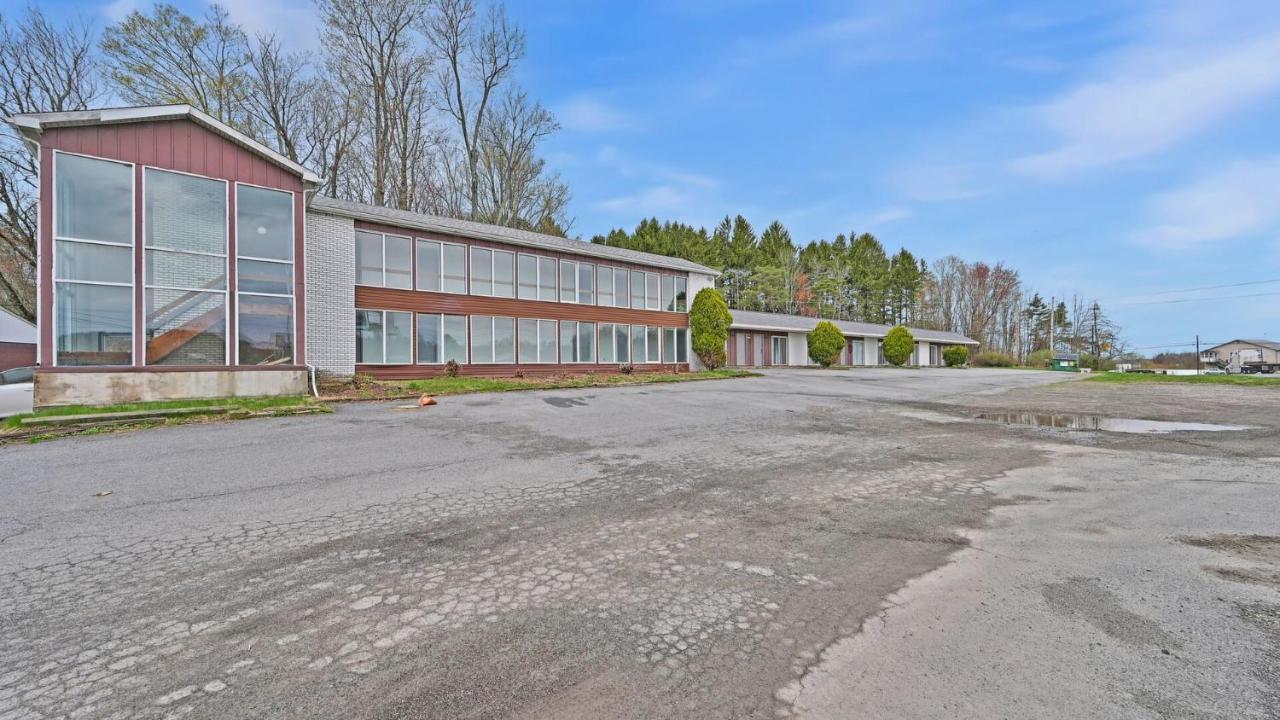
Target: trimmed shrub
825,343
898,345
992,358
709,321
955,355
1039,358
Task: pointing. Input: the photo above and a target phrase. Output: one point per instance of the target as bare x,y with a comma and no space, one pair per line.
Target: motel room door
778,350
757,349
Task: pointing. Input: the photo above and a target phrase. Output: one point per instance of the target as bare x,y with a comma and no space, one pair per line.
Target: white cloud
591,114
939,182
295,23
1239,201
118,10
888,215
656,200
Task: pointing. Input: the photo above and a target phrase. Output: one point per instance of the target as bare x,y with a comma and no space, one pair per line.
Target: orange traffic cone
426,400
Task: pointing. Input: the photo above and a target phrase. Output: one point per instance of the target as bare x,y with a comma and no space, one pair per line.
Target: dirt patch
1067,489
1261,548
1085,599
1254,575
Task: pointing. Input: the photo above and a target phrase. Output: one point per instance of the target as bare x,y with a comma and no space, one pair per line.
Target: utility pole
1053,320
1197,354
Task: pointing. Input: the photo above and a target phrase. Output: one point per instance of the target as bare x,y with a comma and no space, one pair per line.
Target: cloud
295,23
588,113
873,33
118,10
1193,70
888,215
1241,200
656,200
663,190
939,182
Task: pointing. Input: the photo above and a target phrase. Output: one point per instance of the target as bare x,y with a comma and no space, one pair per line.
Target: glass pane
682,345
587,284
399,337
93,263
186,328
668,293
429,265
94,199
369,331
504,274
180,270
682,295
668,345
368,258
528,267
428,338
653,344
604,283
620,288
546,279
399,261
547,341
481,271
264,223
568,282
606,342
621,344
504,340
586,342
264,277
528,341
568,341
637,343
266,330
455,339
481,339
455,269
637,290
185,212
651,292
94,324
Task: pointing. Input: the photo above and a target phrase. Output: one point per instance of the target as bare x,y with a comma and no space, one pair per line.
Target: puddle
1096,422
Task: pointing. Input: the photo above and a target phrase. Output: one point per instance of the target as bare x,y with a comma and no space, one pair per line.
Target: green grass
1133,378
460,385
252,404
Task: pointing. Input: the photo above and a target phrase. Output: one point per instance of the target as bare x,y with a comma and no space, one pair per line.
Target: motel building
181,258
759,339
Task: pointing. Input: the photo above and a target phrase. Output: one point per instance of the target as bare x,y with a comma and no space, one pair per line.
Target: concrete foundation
110,388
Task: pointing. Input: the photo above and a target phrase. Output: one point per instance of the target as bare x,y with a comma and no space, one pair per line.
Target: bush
955,355
709,321
825,343
451,368
898,344
992,358
1039,358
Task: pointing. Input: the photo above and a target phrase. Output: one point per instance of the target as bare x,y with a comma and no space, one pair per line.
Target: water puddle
1106,424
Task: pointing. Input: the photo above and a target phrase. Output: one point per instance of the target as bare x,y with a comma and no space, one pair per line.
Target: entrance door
740,349
757,342
779,350
859,351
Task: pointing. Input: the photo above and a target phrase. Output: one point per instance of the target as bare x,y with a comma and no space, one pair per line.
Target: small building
1244,356
17,341
1065,362
761,339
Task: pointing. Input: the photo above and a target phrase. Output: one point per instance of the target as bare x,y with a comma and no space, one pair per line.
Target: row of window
185,267
385,260
385,337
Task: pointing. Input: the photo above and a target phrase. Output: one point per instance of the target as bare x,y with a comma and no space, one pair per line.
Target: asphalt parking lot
809,543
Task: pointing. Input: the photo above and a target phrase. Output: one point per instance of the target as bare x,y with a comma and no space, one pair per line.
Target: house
180,258
17,341
759,339
1065,362
1244,355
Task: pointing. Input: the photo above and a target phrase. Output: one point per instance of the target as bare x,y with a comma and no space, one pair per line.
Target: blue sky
1112,148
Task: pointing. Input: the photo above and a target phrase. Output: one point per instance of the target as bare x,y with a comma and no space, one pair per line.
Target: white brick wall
331,295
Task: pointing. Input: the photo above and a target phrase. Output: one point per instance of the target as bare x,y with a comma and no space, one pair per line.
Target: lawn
366,388
251,404
1131,378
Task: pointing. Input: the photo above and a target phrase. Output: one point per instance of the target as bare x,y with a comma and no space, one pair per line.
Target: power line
1199,299
1194,289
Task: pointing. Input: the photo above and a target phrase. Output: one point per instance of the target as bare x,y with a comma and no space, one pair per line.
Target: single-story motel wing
181,258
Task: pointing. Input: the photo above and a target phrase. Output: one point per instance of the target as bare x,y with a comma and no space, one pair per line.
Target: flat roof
498,233
752,320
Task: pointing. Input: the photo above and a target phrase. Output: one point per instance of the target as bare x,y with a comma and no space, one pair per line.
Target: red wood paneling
14,355
413,372
369,298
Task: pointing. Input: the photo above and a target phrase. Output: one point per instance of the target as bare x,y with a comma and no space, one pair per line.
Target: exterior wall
1250,352
331,305
871,351
798,349
14,355
107,387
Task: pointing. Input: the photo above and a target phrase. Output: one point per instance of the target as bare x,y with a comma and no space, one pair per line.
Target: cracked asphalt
700,549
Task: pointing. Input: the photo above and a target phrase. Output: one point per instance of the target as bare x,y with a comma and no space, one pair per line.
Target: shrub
955,355
627,369
451,368
992,358
1039,358
709,321
898,344
825,343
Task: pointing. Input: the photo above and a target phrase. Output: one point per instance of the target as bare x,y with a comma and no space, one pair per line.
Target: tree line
853,277
411,104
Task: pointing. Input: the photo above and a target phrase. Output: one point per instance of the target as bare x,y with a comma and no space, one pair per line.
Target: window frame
493,339
682,293
413,334
577,344
293,299
537,340
493,266
133,256
600,272
413,259
656,279
537,278
466,339
573,293
667,297
440,246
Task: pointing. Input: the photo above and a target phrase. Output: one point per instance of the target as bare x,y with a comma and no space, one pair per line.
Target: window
682,294
604,286
185,273
668,293
614,343
651,301
442,338
384,260
637,289
527,272
493,272
442,267
93,261
493,339
384,337
669,345
586,283
778,350
651,335
537,278
537,341
577,342
568,281
638,343
620,288
264,277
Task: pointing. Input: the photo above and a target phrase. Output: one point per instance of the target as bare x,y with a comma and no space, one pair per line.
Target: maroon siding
14,355
179,145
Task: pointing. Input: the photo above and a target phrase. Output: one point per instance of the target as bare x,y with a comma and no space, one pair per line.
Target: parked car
1215,371
16,388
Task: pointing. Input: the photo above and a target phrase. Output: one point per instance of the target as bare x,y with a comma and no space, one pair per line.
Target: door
740,349
757,342
779,350
859,352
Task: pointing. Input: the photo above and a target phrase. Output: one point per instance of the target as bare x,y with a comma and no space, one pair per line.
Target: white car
16,388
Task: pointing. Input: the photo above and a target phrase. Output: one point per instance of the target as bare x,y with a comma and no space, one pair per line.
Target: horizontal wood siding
370,298
414,372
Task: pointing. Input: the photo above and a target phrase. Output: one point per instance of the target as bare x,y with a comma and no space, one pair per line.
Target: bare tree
331,130
514,188
43,68
281,97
